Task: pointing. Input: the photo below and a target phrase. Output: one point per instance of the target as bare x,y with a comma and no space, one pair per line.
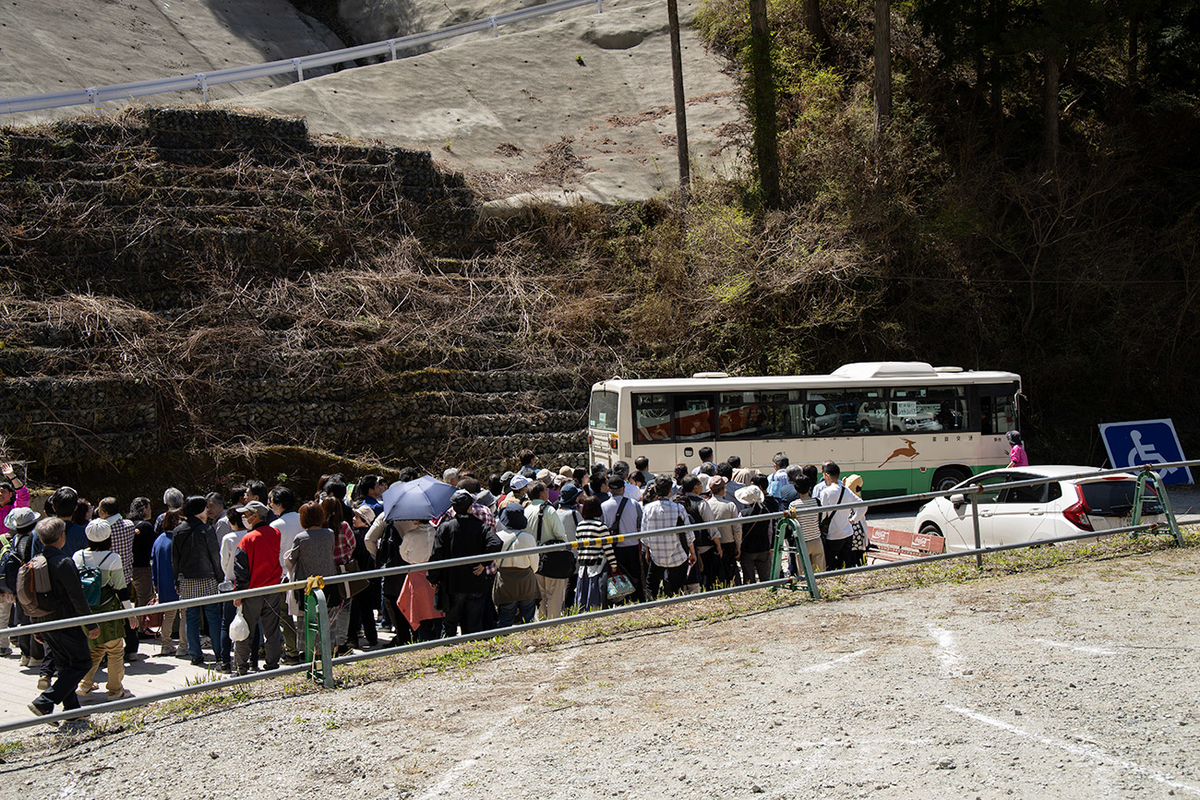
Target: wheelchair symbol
1146,454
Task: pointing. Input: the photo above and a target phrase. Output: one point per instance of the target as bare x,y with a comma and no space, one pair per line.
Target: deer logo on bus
909,452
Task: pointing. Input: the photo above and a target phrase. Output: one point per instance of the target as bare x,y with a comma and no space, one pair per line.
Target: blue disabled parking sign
1150,441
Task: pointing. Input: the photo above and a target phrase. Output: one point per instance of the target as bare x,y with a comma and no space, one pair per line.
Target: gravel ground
1074,681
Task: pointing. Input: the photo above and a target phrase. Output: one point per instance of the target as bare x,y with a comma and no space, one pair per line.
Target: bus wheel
947,478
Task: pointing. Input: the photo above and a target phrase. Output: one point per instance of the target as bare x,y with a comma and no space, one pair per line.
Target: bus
905,426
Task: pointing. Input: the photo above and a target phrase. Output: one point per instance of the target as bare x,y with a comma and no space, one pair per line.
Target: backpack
92,580
33,588
691,502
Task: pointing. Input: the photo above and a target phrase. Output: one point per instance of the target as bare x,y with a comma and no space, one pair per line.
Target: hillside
577,110
52,45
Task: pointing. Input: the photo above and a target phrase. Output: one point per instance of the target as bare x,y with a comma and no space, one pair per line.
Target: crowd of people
77,559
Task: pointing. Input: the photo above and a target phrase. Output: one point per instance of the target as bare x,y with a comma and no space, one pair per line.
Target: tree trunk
685,177
1131,61
999,22
815,27
766,145
883,65
1050,110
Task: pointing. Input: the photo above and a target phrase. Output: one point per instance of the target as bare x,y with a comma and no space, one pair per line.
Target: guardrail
203,81
791,581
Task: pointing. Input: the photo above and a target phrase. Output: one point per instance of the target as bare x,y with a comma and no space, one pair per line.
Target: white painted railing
203,81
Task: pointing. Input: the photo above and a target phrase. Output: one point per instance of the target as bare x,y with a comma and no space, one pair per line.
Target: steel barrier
203,81
792,581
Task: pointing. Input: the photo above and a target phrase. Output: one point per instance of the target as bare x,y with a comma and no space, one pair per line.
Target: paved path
147,675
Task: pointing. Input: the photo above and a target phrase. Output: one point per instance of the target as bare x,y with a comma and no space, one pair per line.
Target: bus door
695,416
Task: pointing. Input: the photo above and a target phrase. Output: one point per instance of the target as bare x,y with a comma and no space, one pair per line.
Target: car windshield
1115,498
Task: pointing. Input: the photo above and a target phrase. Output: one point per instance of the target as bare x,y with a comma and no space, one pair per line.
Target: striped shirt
594,555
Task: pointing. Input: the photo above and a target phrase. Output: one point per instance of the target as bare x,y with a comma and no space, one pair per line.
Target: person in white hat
98,564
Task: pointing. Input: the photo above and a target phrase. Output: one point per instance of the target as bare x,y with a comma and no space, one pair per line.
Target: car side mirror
957,500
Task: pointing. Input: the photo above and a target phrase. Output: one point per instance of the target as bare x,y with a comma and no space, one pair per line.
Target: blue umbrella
424,498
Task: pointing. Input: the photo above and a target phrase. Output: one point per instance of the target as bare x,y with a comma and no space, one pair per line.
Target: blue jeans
520,611
212,612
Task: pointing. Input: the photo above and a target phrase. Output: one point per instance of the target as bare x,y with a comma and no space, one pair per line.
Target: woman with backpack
103,579
20,523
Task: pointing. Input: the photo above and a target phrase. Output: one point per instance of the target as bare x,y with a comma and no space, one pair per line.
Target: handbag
353,587
559,564
514,584
858,537
619,586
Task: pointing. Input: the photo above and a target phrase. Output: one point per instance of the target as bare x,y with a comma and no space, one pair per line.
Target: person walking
111,595
68,646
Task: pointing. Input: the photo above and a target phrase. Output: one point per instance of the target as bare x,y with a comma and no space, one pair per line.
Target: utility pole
680,101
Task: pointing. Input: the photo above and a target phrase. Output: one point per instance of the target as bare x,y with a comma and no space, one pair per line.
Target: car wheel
929,529
947,478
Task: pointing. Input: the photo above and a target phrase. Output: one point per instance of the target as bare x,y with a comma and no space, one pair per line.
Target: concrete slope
53,45
580,109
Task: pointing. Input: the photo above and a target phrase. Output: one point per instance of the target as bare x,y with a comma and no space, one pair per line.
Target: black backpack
692,502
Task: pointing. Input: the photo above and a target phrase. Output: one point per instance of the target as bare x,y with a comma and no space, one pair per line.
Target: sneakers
198,662
166,650
39,712
43,683
5,651
86,688
223,667
24,661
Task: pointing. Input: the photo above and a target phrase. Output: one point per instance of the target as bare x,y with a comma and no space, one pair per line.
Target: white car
1010,515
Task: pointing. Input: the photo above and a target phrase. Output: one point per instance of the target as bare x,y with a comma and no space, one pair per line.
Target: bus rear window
602,411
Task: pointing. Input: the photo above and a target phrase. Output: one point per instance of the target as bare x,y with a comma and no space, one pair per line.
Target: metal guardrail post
975,522
316,626
801,548
299,66
1135,514
392,48
202,82
495,27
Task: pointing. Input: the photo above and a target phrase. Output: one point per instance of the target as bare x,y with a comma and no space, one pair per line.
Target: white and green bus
904,426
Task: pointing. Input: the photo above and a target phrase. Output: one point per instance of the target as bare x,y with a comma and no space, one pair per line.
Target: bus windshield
602,411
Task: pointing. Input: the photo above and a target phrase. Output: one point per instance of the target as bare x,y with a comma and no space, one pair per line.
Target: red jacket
256,562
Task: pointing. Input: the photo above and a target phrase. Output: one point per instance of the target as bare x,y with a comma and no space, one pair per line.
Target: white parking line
1081,750
509,716
828,665
1096,651
946,651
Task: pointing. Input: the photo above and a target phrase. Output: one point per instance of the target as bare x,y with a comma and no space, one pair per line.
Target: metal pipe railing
203,81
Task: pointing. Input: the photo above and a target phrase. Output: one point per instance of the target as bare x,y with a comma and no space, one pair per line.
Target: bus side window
651,418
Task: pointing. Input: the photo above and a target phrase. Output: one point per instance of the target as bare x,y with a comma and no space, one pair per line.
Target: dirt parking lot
1072,681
